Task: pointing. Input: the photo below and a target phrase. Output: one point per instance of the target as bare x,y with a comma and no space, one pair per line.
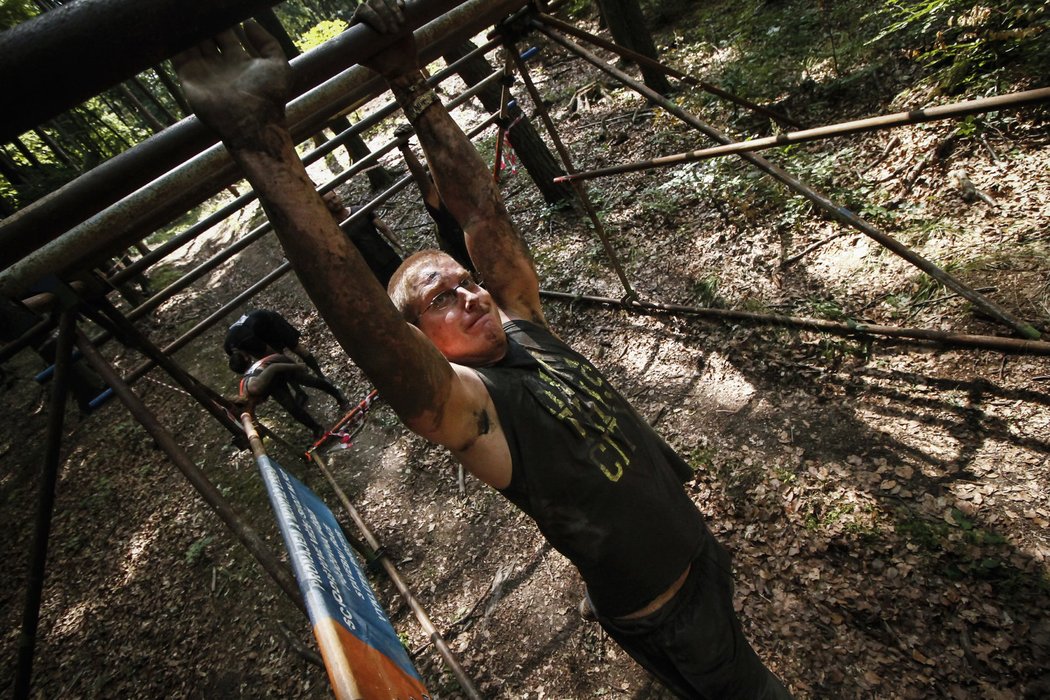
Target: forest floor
886,502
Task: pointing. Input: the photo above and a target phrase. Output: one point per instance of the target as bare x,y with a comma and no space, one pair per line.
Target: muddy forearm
406,369
469,192
463,181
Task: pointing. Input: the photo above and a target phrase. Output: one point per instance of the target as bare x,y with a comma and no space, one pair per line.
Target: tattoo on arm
483,423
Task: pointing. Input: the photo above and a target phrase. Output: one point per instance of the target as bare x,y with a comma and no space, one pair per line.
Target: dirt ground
886,502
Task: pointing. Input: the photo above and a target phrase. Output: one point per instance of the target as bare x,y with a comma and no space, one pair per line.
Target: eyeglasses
448,297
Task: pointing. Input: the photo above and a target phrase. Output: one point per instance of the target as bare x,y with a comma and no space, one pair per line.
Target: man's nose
470,298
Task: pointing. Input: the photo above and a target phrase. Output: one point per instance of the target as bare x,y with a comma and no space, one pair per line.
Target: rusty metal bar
316,154
215,500
983,342
80,48
837,212
135,170
886,121
45,505
219,408
32,335
139,371
566,159
174,346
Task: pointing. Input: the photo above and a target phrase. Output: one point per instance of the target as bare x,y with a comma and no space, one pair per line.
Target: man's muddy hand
237,82
387,17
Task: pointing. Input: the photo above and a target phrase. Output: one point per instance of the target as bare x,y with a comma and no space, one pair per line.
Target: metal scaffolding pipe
983,342
338,140
221,409
45,505
197,478
857,126
143,167
119,222
174,346
81,48
566,159
839,213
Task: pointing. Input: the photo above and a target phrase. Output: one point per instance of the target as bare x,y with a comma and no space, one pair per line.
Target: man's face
332,201
458,316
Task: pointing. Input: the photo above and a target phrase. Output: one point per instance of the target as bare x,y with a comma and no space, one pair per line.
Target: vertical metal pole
566,159
46,504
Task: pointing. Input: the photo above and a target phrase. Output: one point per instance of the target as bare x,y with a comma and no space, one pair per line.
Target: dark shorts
694,644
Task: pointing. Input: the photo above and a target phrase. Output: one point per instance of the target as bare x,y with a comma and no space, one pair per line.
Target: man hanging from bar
449,233
371,235
478,371
280,377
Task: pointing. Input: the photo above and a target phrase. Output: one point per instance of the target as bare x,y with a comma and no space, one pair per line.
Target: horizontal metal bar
987,342
886,121
146,165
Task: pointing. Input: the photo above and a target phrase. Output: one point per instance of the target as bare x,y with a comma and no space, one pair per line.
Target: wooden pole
983,342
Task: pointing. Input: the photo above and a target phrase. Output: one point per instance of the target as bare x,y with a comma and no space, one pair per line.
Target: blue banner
361,650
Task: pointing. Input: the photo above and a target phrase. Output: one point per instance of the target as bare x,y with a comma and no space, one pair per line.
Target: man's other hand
387,17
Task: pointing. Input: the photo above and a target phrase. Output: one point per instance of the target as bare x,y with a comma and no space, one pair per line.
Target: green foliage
300,17
702,459
828,308
965,41
658,202
14,12
195,552
162,275
705,291
578,8
320,33
836,349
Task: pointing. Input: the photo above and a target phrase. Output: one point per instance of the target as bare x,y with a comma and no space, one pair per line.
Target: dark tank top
603,487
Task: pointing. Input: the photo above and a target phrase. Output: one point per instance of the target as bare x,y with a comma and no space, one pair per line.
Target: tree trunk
145,89
628,28
81,124
173,89
140,110
119,110
59,152
26,153
10,170
535,157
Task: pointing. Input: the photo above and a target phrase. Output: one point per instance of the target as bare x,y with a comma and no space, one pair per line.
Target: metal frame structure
125,199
